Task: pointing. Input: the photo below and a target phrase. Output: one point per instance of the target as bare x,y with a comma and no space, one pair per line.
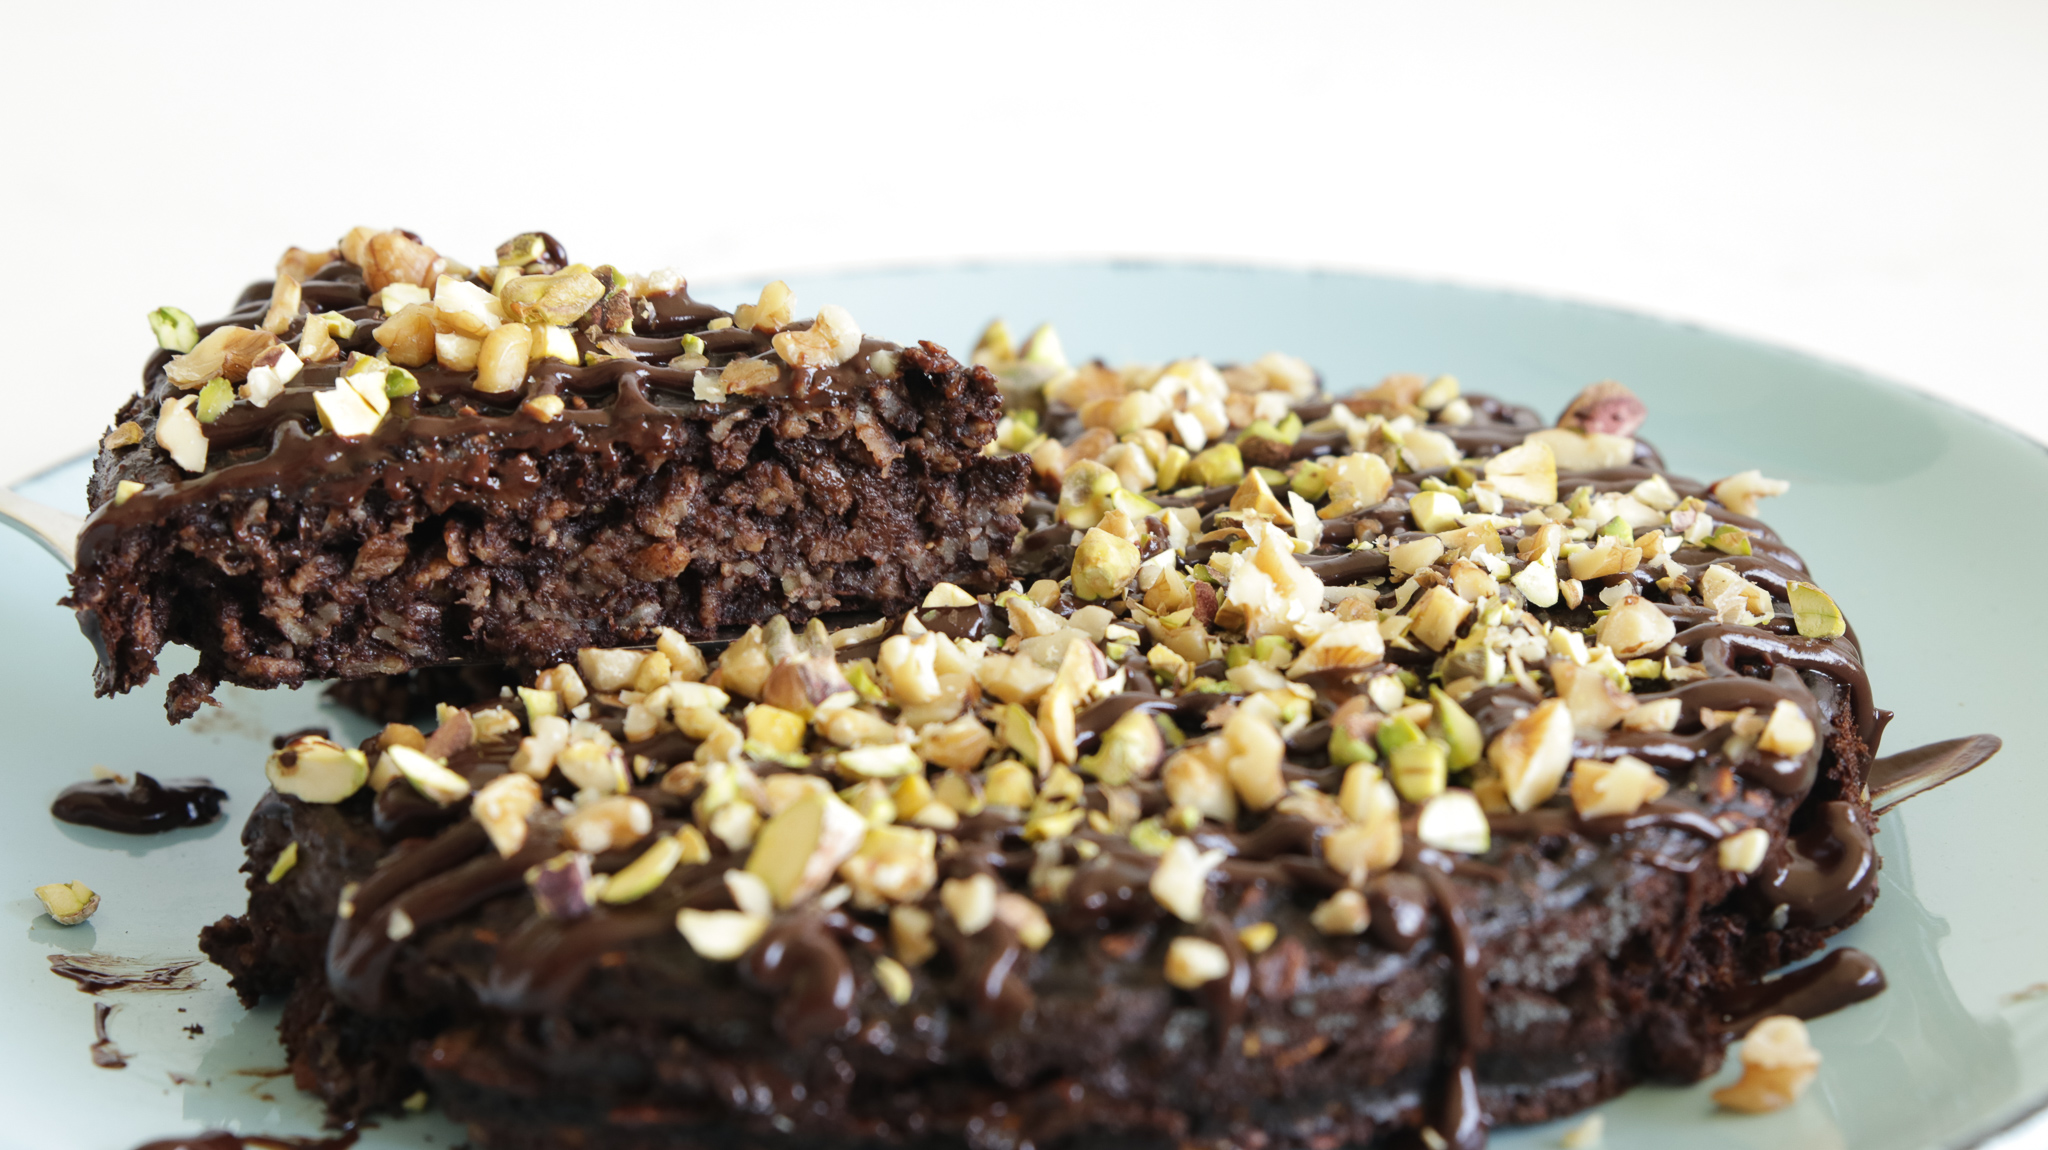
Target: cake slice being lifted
383,460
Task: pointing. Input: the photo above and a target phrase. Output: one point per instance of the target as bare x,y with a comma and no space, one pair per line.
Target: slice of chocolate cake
1437,771
382,461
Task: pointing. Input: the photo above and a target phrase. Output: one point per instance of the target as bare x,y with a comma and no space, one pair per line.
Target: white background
1862,180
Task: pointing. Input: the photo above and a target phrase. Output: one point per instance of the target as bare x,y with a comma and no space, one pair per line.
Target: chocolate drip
104,1053
541,964
800,962
1400,910
1909,773
146,807
1843,978
1824,872
1188,712
1460,1119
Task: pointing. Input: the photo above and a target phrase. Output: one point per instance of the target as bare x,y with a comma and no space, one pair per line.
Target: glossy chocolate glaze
1896,778
144,807
1841,978
812,973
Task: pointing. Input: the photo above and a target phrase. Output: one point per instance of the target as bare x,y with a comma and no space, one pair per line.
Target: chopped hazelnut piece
970,901
1527,473
179,433
1192,963
1788,732
1181,881
1739,492
1635,628
501,806
610,823
1343,913
1618,788
1453,821
1744,851
1531,755
720,935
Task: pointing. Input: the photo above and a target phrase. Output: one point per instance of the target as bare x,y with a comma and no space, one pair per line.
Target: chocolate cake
382,460
1333,772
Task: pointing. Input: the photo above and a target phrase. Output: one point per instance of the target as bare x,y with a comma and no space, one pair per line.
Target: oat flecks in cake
1202,817
385,461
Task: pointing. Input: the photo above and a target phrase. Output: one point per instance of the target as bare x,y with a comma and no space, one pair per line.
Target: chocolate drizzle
1842,978
101,972
145,807
1826,871
1896,778
224,1140
104,1054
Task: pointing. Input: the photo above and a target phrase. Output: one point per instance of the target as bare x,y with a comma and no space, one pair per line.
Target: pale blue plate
1900,503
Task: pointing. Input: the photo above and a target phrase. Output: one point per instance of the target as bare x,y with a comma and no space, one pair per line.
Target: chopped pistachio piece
70,903
174,330
1813,612
214,399
286,860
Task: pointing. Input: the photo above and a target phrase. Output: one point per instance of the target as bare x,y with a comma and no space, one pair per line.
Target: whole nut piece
1606,407
70,903
315,770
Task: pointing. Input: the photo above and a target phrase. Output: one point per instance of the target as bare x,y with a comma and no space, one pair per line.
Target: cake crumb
1585,1133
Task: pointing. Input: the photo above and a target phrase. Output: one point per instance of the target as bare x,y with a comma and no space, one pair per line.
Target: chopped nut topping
1453,821
315,770
1343,913
1192,963
286,860
832,339
720,935
798,851
1739,492
1618,788
174,330
772,313
179,433
1778,1063
502,806
428,775
1531,755
1181,881
1635,628
1813,612
1744,851
970,901
1788,732
610,823
69,903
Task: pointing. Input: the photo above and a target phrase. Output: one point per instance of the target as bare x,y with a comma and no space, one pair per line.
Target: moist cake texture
1332,772
363,470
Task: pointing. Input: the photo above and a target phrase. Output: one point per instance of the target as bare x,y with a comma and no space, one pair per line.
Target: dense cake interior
383,461
1331,771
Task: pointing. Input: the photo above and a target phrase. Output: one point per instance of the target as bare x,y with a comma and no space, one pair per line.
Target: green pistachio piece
1216,466
1273,650
216,397
399,382
1732,540
1152,837
1347,748
1398,732
1814,612
1309,482
639,877
1172,465
1618,529
1420,769
1460,729
174,330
